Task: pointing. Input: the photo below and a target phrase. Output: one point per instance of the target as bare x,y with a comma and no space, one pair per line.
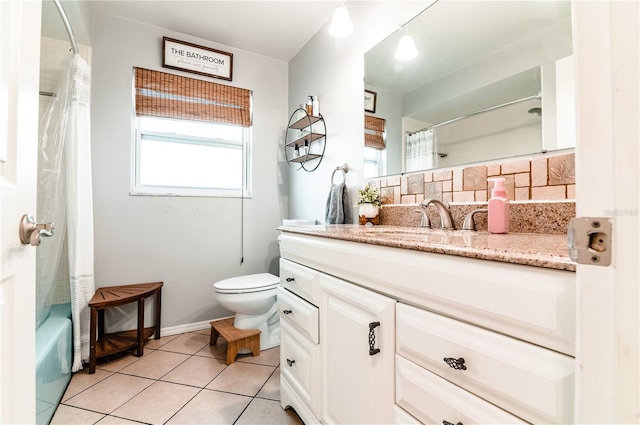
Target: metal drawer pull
287,311
290,362
372,339
450,423
457,364
289,279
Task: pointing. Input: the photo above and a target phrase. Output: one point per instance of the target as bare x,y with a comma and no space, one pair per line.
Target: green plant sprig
369,195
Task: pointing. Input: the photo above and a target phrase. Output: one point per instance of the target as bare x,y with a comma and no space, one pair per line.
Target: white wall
188,243
333,69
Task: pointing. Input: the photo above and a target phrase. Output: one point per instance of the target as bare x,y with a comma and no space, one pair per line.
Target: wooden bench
236,338
102,344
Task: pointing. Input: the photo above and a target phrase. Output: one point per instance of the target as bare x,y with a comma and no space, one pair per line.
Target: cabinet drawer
300,280
432,400
299,364
301,314
532,382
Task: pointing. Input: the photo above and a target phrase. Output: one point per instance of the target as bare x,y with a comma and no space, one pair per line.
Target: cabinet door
356,384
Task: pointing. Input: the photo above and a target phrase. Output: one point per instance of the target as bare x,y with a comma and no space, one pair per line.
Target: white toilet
253,299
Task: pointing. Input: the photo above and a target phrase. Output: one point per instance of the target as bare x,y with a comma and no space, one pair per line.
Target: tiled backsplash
545,178
549,217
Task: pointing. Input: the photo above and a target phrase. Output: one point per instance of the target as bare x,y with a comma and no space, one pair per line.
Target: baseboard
189,327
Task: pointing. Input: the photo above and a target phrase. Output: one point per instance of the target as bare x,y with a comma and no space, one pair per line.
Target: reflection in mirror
493,79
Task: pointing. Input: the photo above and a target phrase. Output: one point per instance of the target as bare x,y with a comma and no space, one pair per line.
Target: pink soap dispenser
498,214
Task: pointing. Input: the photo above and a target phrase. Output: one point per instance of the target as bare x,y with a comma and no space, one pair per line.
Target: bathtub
53,361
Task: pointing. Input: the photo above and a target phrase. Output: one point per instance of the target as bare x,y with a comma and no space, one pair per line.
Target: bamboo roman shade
159,94
374,129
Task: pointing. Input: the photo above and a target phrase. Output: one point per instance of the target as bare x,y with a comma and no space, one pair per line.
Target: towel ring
345,169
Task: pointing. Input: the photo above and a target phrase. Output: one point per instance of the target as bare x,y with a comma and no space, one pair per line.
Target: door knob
31,232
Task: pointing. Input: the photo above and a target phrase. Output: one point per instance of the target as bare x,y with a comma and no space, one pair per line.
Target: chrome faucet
424,222
469,223
446,221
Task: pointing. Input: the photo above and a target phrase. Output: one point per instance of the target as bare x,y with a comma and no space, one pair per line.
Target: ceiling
277,29
451,35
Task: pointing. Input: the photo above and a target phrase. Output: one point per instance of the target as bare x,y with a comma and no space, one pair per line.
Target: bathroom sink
419,234
396,230
298,222
392,230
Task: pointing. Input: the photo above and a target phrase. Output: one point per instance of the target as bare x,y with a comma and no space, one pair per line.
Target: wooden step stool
236,338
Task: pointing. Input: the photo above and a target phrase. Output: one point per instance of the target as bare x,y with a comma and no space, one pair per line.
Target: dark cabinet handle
372,339
450,423
457,364
290,362
286,312
289,279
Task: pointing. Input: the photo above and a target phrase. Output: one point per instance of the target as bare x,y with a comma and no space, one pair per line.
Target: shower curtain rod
67,25
537,96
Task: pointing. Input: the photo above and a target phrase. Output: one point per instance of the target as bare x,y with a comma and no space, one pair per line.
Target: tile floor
180,379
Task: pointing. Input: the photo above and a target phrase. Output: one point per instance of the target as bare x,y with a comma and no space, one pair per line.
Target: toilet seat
250,283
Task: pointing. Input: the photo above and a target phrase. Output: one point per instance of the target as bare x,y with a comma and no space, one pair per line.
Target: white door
606,41
19,69
356,385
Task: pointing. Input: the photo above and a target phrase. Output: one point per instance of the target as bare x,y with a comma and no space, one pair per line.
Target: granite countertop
531,249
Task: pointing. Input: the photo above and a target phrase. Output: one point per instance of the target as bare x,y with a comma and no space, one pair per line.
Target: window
372,163
374,132
174,157
374,145
192,137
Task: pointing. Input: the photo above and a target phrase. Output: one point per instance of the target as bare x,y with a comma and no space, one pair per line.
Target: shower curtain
420,153
65,198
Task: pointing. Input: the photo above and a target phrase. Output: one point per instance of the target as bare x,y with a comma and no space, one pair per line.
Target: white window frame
376,159
138,189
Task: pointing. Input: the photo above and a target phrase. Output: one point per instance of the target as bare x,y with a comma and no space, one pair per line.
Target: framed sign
201,60
370,101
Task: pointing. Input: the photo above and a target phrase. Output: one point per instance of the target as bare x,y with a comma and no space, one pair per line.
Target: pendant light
341,25
406,49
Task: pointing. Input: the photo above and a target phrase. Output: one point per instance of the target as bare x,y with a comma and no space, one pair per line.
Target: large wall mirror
492,79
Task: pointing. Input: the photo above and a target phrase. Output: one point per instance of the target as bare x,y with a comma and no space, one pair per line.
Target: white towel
338,205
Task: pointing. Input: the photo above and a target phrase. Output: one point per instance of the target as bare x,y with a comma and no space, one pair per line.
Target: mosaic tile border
546,178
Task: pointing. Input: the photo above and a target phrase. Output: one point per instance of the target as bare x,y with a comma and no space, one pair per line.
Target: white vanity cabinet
357,342
511,326
299,336
357,350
